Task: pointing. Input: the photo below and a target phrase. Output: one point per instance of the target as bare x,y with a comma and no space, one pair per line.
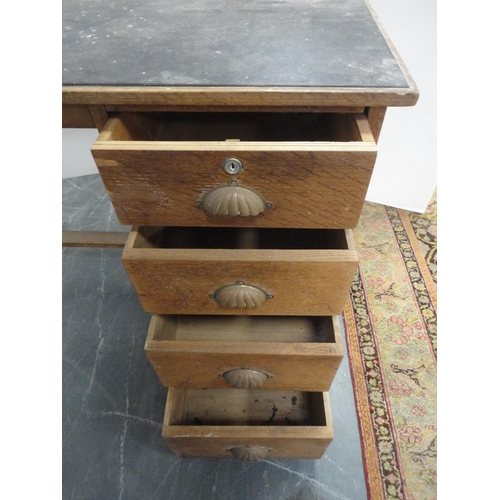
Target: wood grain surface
315,173
298,353
94,239
303,282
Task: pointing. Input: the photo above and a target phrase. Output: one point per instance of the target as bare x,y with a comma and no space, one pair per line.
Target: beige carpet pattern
391,334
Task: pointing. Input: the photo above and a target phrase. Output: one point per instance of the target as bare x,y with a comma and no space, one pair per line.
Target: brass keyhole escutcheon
232,166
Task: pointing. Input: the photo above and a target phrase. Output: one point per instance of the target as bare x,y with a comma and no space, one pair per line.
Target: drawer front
247,425
254,281
270,353
314,184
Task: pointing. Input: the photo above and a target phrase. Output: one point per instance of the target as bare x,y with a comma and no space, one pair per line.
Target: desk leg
100,116
375,115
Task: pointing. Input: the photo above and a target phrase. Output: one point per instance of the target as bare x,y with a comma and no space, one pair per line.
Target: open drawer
295,272
245,352
246,424
305,170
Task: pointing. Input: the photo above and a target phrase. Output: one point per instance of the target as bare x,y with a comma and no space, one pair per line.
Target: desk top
118,50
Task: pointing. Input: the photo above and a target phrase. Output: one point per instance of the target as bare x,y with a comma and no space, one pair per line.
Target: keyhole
232,166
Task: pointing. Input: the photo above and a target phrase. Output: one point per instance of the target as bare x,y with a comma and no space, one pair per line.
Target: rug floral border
385,317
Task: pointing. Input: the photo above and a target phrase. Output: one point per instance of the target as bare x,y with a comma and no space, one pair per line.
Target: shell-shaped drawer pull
245,378
233,200
240,295
249,453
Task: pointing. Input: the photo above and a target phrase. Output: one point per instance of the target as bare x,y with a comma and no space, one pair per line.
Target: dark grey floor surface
113,402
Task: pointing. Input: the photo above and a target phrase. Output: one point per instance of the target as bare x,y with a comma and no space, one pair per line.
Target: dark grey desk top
236,43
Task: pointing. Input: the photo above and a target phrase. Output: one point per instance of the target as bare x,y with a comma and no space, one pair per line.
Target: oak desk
273,110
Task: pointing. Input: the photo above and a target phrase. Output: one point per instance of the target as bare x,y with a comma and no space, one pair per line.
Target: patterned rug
391,334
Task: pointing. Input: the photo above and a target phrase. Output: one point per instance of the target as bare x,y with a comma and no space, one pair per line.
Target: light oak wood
209,423
94,239
77,116
99,115
290,98
376,117
84,116
299,353
313,170
307,272
120,108
157,167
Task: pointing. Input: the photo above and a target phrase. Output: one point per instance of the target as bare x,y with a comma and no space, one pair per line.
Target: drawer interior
246,407
288,329
241,238
248,127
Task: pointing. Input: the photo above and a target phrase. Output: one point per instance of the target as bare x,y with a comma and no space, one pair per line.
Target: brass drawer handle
245,378
233,200
249,453
241,295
